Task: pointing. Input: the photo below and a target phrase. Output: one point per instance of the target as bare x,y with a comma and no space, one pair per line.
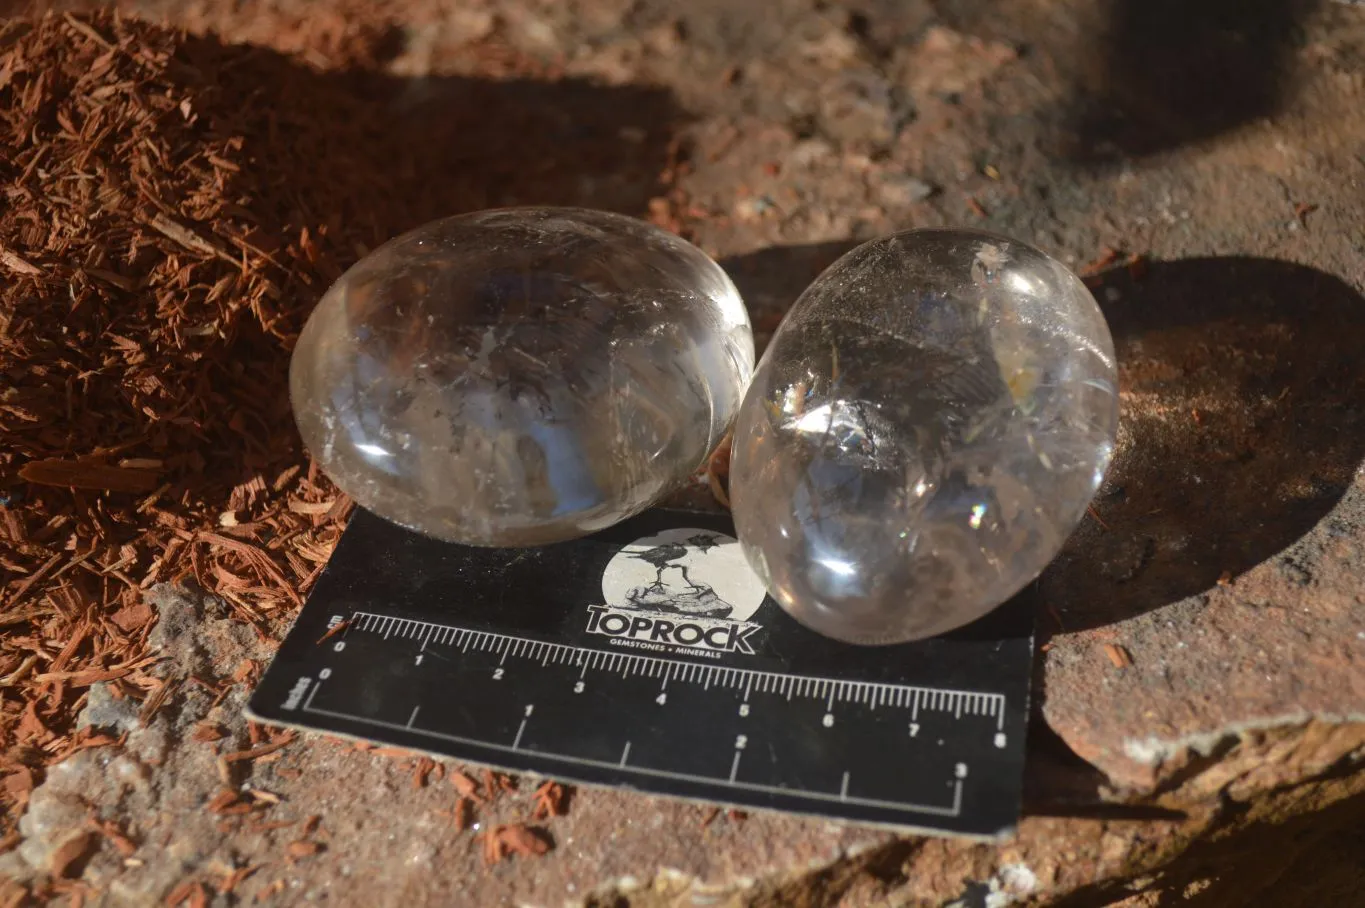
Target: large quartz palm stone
521,376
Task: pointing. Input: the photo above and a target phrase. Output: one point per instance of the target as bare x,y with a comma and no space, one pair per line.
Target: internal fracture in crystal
925,430
521,376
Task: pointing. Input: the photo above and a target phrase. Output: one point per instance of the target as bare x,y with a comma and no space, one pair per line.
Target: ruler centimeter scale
499,658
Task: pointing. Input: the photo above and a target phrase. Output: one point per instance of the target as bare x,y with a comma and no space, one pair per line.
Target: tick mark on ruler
768,689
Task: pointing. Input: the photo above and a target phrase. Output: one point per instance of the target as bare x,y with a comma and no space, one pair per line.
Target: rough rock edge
196,636
1155,752
1203,783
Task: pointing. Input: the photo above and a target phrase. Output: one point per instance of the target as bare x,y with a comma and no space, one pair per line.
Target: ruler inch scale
545,661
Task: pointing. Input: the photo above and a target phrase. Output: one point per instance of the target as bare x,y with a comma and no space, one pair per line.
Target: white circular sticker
684,571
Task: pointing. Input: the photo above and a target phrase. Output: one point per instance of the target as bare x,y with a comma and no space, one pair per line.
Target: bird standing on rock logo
696,598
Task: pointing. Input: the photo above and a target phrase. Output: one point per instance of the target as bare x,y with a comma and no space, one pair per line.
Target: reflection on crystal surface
521,376
923,433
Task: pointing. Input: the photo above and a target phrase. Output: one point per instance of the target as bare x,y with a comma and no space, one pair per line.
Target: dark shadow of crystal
1167,73
1149,76
1242,425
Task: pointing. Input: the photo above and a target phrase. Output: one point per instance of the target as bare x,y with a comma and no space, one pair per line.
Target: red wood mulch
171,208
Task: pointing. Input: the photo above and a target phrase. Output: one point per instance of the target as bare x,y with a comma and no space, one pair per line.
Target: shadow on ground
370,156
1170,73
1242,425
324,165
1149,76
1243,422
1308,860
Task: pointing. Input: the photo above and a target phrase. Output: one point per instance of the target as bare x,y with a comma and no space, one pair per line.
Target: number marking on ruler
830,690
826,691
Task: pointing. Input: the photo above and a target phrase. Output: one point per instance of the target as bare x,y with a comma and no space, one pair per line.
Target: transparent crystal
521,376
925,430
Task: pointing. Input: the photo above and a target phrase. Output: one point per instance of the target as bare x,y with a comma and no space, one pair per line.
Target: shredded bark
227,801
68,856
302,849
125,846
190,893
171,208
464,814
231,880
255,753
423,768
207,732
149,300
1118,655
551,801
495,783
514,839
466,786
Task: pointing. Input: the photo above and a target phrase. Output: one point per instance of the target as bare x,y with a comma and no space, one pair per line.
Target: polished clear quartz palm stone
521,376
925,430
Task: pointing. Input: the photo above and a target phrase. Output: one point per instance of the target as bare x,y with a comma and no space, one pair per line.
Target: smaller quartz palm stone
925,430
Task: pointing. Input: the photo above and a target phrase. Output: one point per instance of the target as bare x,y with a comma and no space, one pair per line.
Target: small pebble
906,190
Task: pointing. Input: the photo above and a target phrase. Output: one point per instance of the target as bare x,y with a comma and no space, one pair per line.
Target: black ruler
649,657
